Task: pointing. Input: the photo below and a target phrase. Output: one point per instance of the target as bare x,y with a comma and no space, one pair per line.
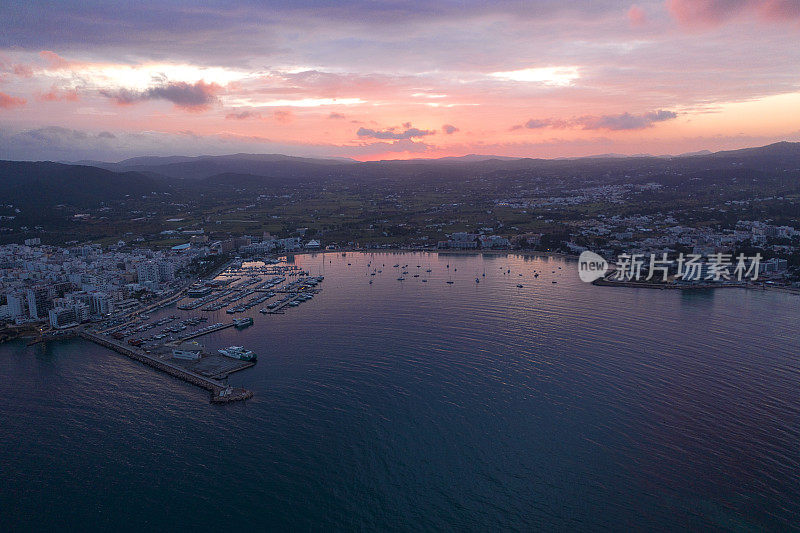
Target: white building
17,305
189,350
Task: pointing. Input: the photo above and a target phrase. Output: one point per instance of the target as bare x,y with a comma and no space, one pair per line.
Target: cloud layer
331,78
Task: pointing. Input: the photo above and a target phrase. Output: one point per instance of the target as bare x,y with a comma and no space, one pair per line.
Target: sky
389,79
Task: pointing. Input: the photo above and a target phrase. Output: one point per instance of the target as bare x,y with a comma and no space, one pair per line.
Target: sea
503,401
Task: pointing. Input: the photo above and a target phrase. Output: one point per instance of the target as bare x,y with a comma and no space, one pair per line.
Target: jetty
204,331
279,308
220,392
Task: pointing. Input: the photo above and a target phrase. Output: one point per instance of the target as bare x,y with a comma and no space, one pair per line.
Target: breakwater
220,393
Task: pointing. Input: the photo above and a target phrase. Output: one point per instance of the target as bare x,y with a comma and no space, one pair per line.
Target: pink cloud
23,71
710,13
56,95
779,10
8,101
283,117
53,60
637,16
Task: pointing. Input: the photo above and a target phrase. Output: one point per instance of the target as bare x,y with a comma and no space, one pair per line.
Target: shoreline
565,257
603,282
444,251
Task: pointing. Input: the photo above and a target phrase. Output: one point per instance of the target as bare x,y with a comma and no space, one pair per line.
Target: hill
43,184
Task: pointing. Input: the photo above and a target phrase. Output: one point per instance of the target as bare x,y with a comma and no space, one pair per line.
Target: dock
220,393
279,309
204,332
217,366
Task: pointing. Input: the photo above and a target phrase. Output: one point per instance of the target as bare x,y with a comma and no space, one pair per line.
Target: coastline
604,282
443,251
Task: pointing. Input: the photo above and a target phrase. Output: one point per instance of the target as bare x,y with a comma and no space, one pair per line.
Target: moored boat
238,352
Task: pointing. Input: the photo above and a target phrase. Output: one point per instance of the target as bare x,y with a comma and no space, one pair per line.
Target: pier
279,309
220,393
204,332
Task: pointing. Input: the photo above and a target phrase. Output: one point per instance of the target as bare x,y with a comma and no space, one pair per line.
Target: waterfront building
17,305
39,302
189,350
61,317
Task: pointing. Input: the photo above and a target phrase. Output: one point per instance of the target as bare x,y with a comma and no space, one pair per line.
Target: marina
220,392
208,329
167,342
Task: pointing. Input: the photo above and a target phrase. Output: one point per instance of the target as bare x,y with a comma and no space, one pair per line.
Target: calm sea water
411,405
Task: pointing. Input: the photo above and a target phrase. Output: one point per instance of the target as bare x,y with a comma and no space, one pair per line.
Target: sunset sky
396,79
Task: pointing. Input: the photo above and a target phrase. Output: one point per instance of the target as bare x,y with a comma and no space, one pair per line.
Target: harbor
220,392
165,337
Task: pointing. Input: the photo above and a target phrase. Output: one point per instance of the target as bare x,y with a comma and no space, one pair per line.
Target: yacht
238,352
242,322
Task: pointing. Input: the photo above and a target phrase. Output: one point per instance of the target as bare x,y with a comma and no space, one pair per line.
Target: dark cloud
449,129
390,133
57,23
62,144
193,97
623,121
243,115
535,124
337,116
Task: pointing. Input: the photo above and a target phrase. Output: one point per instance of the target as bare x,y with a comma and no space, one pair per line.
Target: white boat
238,352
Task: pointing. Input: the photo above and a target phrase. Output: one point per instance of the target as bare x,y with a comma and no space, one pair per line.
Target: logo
591,266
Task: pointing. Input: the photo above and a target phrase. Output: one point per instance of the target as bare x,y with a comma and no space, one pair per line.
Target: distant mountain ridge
279,165
47,183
